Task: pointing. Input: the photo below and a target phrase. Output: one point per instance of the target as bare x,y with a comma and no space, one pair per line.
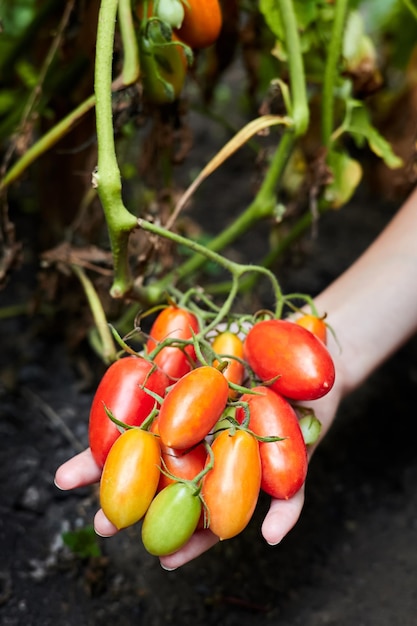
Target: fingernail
273,543
167,569
56,485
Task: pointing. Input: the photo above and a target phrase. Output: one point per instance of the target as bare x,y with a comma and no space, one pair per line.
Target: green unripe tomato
311,428
171,519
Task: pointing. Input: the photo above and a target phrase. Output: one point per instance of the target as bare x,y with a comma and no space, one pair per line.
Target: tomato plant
230,490
228,344
314,324
299,363
122,390
192,407
173,323
284,462
130,477
171,518
202,23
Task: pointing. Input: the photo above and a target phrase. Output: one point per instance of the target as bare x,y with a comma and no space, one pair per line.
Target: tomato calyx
146,424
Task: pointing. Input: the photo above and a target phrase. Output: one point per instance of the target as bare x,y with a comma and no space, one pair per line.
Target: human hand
82,470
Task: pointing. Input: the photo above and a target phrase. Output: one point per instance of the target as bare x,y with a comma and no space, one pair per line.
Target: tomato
284,463
202,23
163,65
283,349
192,407
230,490
171,12
130,477
120,390
171,519
228,344
175,323
314,324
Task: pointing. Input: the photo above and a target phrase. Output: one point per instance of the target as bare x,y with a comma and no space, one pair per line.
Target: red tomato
284,463
231,489
202,23
120,390
130,477
283,349
192,407
175,323
314,324
228,344
185,464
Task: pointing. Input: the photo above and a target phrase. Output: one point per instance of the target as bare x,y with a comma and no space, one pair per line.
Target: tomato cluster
189,431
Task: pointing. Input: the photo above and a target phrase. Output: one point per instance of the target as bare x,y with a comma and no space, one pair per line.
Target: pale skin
372,308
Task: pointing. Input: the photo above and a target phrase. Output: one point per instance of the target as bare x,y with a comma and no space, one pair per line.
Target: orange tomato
230,490
130,477
228,344
202,23
315,325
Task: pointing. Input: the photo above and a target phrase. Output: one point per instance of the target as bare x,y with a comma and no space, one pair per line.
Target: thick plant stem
120,221
330,71
300,111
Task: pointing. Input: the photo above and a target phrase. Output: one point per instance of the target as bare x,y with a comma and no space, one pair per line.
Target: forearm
372,307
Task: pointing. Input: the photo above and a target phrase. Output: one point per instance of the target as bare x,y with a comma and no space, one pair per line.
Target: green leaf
358,124
305,10
83,542
347,174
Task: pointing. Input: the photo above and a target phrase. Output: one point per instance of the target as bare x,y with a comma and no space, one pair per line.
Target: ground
352,558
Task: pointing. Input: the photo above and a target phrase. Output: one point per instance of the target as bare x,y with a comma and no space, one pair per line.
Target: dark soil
352,558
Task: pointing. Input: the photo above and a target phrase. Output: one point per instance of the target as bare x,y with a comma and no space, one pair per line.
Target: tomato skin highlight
231,489
202,23
302,363
120,391
284,463
175,323
315,325
130,477
230,344
192,407
171,519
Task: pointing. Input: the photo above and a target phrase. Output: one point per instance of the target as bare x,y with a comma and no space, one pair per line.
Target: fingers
201,541
281,517
103,526
79,471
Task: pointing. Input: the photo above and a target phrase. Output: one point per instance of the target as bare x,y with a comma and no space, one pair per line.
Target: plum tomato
121,391
130,477
314,324
299,362
171,519
202,23
284,462
175,323
228,344
192,407
230,490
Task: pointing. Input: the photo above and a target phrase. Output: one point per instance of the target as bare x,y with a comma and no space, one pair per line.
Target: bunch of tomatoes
169,32
191,429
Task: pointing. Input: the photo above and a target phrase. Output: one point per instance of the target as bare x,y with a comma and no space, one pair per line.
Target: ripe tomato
120,390
314,324
231,489
175,323
284,463
302,363
229,344
130,477
192,407
171,519
202,23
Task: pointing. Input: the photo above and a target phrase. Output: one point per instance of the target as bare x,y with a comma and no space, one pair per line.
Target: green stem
120,221
108,351
411,8
47,141
300,110
131,69
330,70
